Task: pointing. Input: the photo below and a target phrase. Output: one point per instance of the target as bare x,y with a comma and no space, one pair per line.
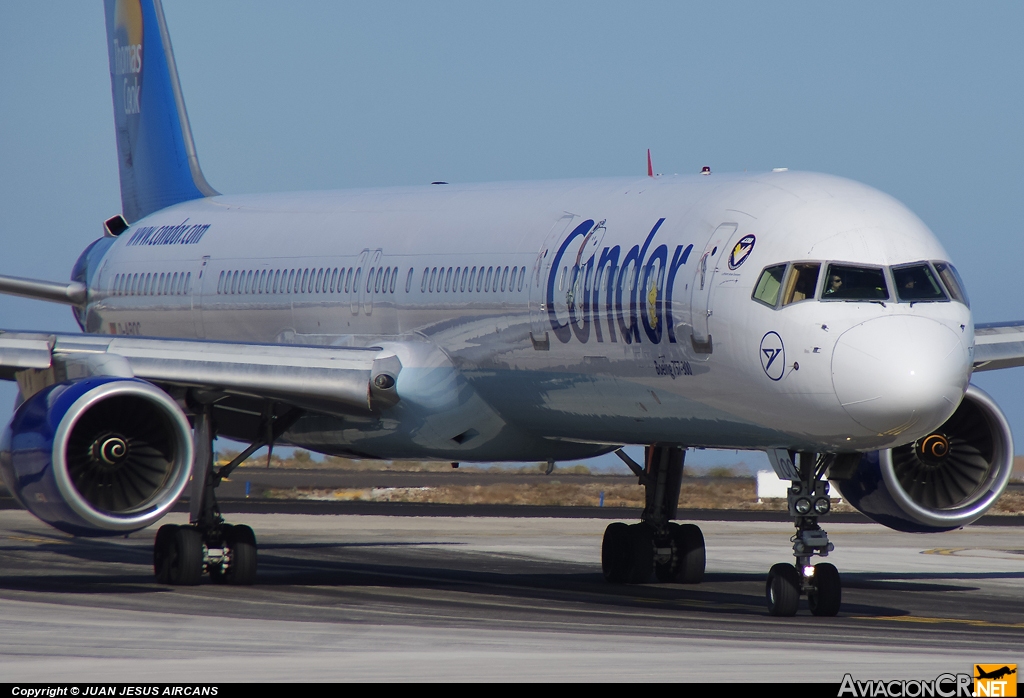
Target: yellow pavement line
935,621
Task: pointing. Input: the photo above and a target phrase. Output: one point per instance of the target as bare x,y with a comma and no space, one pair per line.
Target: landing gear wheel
241,541
627,553
178,555
827,595
615,553
688,556
782,590
162,553
641,553
691,560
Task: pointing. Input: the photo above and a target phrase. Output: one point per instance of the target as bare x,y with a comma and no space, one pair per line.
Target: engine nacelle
942,481
97,456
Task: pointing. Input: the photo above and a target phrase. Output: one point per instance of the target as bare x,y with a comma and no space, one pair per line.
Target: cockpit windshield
784,284
954,284
801,283
847,283
917,282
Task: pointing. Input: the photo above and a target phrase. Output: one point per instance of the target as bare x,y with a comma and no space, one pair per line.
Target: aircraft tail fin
156,156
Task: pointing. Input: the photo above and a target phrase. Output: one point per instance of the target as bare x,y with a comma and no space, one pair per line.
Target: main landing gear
182,554
674,552
808,499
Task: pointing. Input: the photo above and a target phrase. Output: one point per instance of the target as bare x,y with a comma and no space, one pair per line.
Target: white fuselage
560,319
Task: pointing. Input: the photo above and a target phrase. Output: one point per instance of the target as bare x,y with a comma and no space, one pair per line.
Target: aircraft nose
900,373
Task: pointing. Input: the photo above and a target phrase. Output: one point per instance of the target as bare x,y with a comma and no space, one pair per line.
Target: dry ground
732,493
721,492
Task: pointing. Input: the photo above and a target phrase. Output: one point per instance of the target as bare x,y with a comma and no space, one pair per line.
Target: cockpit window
954,284
801,283
917,282
767,289
844,283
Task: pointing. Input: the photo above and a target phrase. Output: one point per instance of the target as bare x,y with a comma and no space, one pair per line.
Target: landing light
802,506
808,571
822,505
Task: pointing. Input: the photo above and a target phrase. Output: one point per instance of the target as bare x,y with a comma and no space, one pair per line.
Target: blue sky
921,100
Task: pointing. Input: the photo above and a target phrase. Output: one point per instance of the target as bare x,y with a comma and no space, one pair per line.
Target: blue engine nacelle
98,456
942,481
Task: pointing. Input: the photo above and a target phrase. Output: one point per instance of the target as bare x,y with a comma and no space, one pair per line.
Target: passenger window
768,285
522,277
854,284
954,284
408,280
801,283
917,282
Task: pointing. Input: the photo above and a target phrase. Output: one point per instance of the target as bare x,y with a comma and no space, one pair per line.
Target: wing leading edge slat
998,345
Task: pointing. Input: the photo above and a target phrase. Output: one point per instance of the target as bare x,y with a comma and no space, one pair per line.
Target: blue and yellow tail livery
155,153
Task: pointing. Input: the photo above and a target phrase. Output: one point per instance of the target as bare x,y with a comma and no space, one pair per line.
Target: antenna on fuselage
650,166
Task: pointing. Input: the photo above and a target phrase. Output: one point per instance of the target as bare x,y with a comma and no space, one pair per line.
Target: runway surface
373,597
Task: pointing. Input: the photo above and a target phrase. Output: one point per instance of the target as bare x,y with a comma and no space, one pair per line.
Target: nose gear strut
808,499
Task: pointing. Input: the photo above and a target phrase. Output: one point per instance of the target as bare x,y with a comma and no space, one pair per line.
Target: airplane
804,315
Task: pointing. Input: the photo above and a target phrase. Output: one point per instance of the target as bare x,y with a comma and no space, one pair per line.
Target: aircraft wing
313,376
998,345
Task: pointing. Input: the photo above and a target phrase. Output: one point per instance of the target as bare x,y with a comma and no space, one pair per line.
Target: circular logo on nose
741,251
773,355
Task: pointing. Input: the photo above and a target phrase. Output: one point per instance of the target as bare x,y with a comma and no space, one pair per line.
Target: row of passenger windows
322,280
478,279
783,284
152,284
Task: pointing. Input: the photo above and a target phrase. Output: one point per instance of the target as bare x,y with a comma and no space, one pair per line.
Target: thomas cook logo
995,680
741,251
127,55
773,356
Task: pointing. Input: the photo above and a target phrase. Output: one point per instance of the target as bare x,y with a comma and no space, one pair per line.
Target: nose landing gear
674,552
808,500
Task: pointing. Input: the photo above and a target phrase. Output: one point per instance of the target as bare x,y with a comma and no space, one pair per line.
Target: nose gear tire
827,595
782,590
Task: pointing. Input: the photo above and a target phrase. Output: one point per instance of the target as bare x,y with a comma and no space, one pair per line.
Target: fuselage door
196,293
539,282
368,287
700,289
358,281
